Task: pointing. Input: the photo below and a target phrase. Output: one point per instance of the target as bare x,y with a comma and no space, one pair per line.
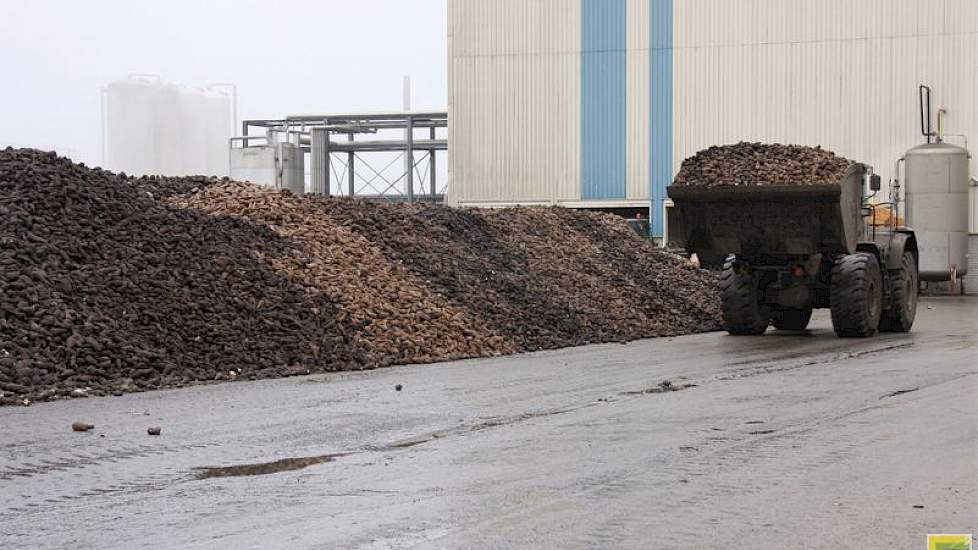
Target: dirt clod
398,387
82,427
154,430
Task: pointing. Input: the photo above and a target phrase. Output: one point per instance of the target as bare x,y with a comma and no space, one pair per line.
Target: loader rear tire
740,299
856,295
899,316
789,318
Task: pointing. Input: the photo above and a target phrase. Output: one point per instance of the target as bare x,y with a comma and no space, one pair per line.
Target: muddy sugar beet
116,284
762,164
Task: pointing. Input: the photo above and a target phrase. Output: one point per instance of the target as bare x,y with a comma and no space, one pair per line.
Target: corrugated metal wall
637,97
971,279
514,101
549,102
662,121
839,73
603,99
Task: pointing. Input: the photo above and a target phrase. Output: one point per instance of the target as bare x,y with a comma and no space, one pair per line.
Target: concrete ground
798,440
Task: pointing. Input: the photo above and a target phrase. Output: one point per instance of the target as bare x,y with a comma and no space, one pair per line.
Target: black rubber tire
789,318
903,296
856,295
740,301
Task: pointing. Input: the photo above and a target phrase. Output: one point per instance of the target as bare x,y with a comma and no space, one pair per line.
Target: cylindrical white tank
216,131
130,115
156,128
166,130
936,191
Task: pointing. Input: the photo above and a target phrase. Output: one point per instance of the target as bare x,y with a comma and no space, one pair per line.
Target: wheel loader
788,249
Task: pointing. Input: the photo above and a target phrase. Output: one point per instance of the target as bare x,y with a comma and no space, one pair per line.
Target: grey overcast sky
285,57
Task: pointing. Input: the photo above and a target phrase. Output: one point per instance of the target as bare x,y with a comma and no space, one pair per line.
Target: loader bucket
771,220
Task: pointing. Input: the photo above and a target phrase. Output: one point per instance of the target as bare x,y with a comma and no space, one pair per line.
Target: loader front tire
740,299
856,295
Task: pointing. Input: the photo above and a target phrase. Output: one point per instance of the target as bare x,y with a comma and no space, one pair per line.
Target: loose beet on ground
114,284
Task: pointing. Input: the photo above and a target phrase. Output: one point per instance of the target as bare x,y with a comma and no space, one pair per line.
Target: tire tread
742,314
849,298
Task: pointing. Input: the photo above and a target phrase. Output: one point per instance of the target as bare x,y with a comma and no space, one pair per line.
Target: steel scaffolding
350,166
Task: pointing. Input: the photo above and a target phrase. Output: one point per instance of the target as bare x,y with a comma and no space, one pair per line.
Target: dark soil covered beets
114,284
762,164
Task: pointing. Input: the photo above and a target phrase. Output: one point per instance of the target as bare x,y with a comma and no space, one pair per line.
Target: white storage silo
128,118
157,128
215,131
191,136
166,130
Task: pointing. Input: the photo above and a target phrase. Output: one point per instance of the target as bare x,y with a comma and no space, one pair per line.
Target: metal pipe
398,115
326,179
342,124
372,127
895,190
409,158
963,137
431,165
349,167
243,139
279,166
924,128
389,145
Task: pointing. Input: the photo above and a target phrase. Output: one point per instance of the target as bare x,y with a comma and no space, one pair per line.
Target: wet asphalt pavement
782,441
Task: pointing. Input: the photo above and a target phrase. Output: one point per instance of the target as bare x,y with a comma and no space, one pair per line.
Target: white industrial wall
515,103
637,69
514,75
839,73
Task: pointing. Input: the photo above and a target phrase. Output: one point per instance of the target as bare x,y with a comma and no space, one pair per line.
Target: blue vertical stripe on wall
603,104
660,112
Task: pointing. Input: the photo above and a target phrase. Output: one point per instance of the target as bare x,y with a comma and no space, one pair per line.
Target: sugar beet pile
114,284
762,164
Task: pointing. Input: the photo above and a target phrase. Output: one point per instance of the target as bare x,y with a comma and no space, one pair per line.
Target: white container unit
156,128
274,164
937,187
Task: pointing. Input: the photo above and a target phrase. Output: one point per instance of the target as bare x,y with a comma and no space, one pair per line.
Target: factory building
595,103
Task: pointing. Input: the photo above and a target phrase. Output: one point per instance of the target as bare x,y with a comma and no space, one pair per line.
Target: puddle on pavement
264,468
